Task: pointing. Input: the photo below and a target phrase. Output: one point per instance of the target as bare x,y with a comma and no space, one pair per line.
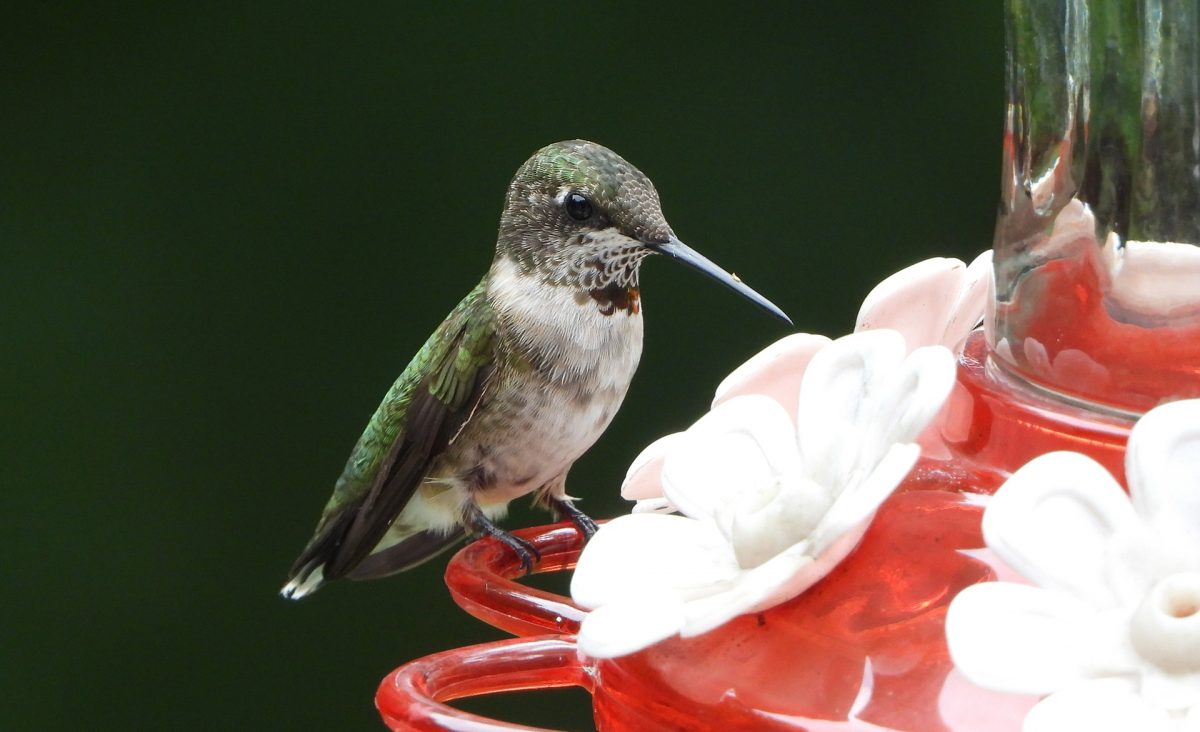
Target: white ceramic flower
768,507
933,302
1111,631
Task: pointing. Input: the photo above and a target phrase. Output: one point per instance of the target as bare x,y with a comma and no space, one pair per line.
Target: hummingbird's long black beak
694,259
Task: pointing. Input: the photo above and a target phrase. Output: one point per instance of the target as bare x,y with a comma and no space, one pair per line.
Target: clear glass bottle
1096,260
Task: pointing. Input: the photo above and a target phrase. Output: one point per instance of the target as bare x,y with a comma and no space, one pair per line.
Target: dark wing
429,403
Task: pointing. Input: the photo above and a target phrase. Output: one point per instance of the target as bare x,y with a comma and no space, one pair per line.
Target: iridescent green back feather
423,410
444,365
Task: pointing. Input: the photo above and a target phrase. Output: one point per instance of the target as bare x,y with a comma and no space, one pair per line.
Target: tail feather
406,554
303,583
308,575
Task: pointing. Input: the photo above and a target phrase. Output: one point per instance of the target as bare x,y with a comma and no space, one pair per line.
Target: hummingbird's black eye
578,206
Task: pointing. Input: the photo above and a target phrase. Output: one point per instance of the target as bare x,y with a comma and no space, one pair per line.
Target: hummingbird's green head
575,210
577,214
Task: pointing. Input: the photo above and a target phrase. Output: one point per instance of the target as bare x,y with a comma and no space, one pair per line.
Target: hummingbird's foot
527,552
565,509
480,526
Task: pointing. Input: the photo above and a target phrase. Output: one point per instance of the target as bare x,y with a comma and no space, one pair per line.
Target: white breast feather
574,336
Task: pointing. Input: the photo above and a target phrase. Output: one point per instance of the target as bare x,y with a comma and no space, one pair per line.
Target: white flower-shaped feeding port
1110,629
936,301
769,506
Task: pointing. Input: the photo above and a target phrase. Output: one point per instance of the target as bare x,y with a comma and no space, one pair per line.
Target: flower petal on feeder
1103,705
1018,638
936,301
855,507
775,371
836,407
644,477
641,554
624,626
1163,465
1055,520
742,446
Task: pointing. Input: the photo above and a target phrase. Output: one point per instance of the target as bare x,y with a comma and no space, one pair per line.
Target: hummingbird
516,384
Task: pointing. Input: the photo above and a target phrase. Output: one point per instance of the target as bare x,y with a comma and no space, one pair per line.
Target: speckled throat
609,277
567,331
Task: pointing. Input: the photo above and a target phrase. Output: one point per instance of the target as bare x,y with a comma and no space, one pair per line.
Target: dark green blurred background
224,230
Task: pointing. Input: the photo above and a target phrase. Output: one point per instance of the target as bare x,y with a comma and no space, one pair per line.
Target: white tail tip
303,586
